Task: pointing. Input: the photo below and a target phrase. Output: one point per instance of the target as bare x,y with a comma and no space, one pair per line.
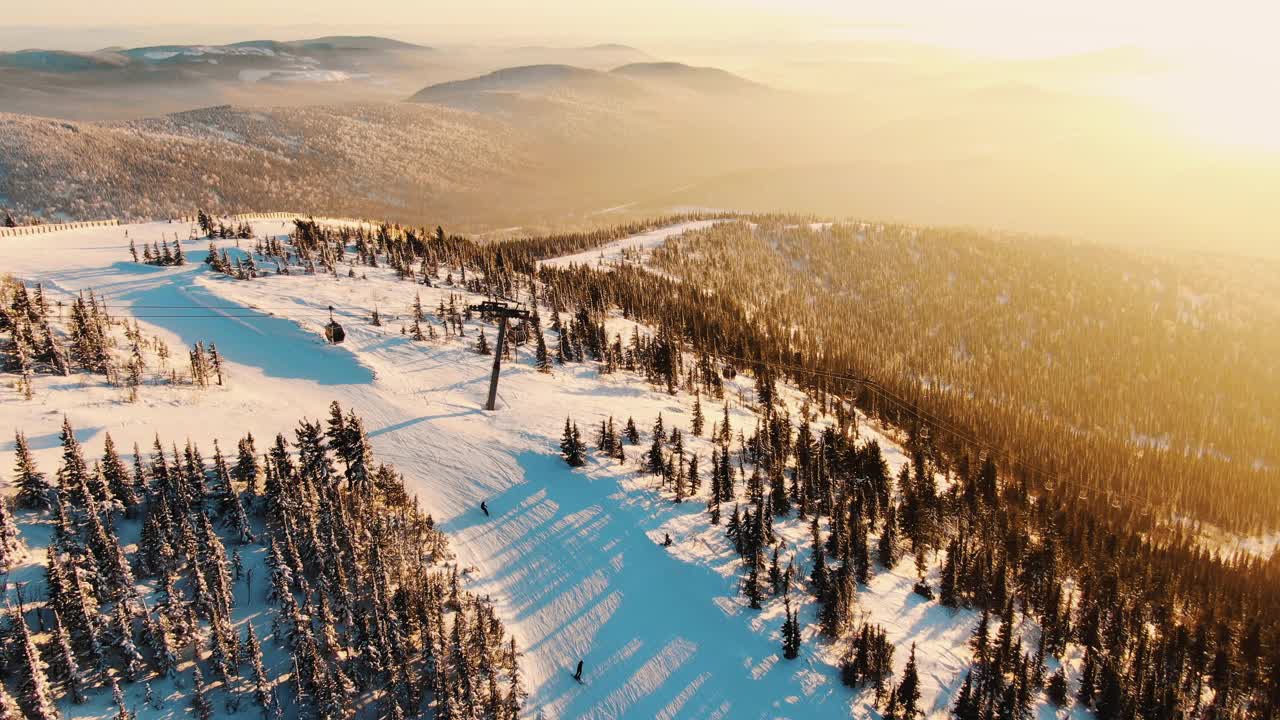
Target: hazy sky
1226,85
998,26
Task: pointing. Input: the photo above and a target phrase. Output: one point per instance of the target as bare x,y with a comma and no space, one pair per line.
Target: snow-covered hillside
572,558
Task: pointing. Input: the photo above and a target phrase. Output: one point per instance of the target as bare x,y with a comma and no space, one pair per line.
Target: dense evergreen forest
1154,379
366,611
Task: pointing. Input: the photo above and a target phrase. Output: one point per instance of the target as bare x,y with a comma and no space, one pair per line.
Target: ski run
573,560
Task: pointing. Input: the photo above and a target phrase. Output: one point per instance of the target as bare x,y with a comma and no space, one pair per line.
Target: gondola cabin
333,332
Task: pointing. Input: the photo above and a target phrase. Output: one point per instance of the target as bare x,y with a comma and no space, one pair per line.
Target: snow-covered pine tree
9,709
156,635
10,543
63,667
117,477
246,470
73,475
200,703
117,697
35,695
132,663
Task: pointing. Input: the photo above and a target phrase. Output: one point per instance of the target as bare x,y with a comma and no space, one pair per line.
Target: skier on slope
484,508
578,675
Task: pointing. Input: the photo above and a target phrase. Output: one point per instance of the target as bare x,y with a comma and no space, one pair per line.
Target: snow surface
571,558
636,245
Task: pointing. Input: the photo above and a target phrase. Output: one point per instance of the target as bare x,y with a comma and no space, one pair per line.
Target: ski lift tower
503,311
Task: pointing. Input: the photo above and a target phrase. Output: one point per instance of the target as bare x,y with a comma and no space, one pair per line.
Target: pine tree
571,445
10,543
698,419
751,587
818,576
200,702
541,360
655,459
631,433
482,345
966,707
1056,690
117,477
9,709
605,439
947,591
246,469
73,475
64,669
122,712
790,633
126,648
887,546
909,689
253,655
35,695
33,488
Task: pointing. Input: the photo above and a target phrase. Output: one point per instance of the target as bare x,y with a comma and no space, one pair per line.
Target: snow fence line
54,227
242,217
246,217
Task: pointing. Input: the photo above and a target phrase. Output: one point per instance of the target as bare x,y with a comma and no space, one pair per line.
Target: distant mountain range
514,136
627,81
292,56
125,83
322,124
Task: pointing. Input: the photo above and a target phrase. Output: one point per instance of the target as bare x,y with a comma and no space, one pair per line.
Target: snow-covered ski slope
571,557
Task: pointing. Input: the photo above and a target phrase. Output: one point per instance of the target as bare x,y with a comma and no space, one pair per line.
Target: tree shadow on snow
278,346
582,574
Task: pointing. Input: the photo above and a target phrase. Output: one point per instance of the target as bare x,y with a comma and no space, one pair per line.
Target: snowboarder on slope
485,508
666,541
578,675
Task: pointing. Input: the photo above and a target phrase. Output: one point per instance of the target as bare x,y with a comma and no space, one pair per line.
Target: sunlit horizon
1215,78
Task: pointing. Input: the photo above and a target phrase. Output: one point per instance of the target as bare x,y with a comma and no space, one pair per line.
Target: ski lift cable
910,408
